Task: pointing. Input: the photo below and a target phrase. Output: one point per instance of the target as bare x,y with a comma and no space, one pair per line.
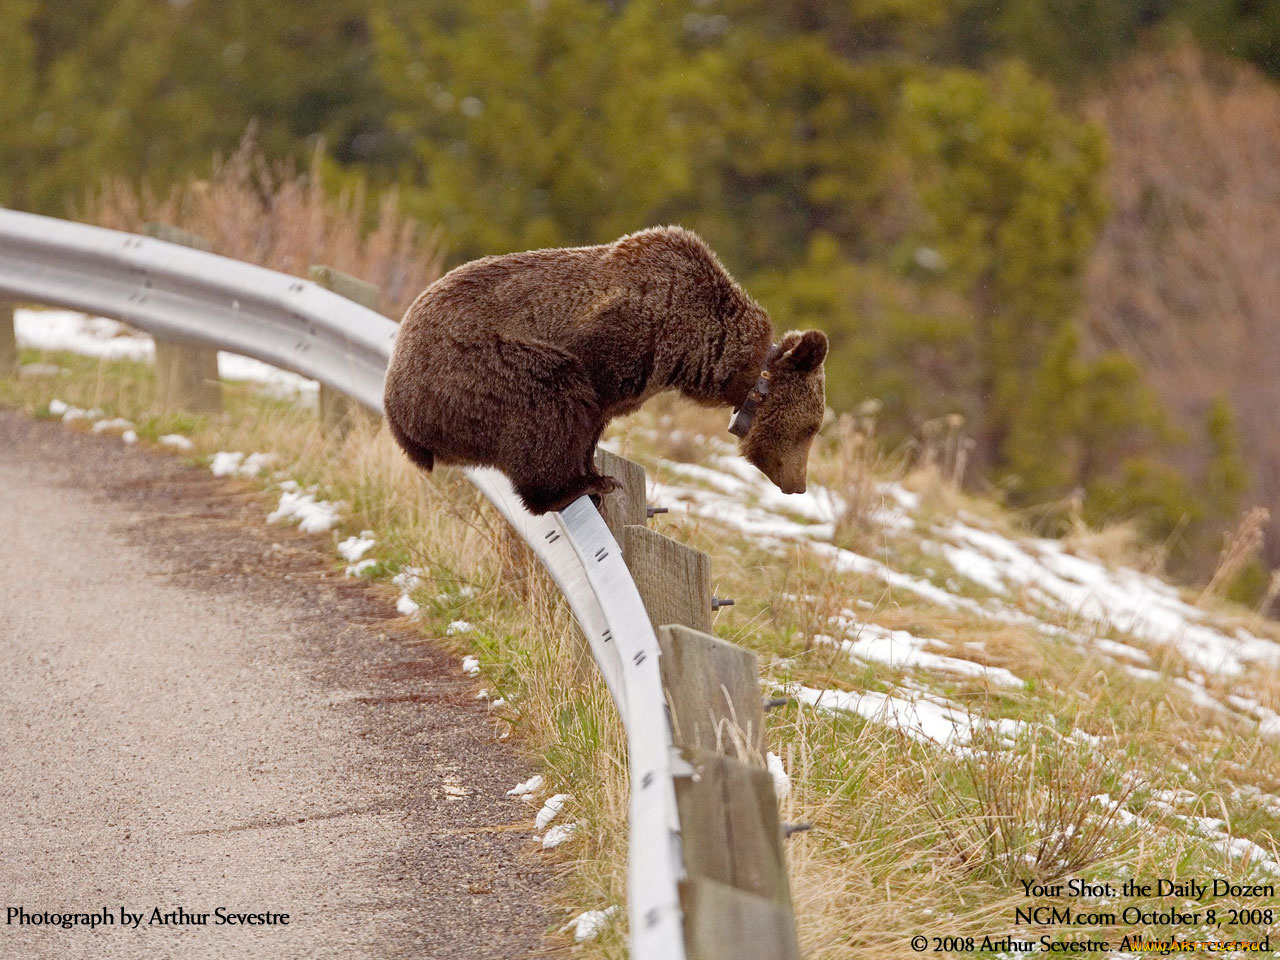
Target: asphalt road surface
197,713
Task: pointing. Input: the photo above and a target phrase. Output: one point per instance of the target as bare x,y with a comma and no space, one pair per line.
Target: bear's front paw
539,501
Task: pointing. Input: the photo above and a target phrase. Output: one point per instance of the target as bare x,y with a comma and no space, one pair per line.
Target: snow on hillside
1029,581
99,337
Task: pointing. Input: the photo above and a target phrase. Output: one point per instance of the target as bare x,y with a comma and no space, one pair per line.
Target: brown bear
519,361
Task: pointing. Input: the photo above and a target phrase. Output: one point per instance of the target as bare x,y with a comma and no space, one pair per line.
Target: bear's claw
600,486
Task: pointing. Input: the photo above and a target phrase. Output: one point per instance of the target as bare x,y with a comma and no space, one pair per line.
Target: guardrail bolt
652,512
718,602
773,703
789,828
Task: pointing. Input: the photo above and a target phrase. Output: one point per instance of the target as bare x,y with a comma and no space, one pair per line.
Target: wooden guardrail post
736,898
713,688
8,340
627,504
337,409
723,921
674,580
186,375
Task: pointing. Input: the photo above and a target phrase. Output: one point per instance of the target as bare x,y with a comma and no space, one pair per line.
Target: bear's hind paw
598,487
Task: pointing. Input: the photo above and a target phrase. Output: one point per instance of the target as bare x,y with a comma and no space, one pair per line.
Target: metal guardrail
189,296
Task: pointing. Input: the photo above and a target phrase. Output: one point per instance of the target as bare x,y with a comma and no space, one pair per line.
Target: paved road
195,714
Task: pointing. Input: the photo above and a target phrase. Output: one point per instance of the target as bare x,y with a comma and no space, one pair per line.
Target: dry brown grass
939,459
283,218
1117,544
1238,549
863,795
1027,810
1185,278
858,470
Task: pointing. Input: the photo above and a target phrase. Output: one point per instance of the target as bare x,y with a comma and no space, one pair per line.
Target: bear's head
788,417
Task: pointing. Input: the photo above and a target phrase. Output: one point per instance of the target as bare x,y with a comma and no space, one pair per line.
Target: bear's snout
787,477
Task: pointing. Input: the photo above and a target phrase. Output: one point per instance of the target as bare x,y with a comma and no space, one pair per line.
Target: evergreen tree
154,88
18,114
1010,186
534,124
1227,475
573,121
905,344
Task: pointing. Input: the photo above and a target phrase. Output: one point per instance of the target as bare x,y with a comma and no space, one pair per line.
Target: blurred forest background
1053,218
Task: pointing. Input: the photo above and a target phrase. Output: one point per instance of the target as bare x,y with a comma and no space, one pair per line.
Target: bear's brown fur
519,361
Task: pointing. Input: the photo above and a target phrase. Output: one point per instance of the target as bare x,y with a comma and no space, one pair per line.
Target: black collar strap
740,422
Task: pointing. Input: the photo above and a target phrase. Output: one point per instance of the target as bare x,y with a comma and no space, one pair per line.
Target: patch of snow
129,436
1250,793
224,463
1241,848
98,337
405,606
848,561
550,810
313,516
458,627
781,779
113,425
72,414
1116,810
1121,651
898,648
79,333
462,593
58,407
358,569
1268,719
232,366
255,464
176,441
588,924
558,835
906,499
470,665
1245,849
1120,599
233,463
408,579
353,548
975,566
525,787
927,720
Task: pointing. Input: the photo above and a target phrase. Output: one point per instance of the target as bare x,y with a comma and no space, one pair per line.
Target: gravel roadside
196,712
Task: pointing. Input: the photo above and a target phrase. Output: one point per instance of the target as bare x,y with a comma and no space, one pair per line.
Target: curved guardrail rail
189,296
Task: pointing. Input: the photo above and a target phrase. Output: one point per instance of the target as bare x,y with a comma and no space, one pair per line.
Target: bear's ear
803,352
